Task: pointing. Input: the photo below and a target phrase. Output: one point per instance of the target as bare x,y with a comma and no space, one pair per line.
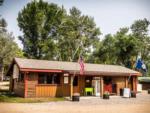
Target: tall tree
39,22
140,30
105,53
1,2
120,49
3,25
49,33
126,47
77,32
8,49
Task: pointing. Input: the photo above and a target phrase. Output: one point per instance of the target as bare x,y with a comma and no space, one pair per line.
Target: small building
43,78
145,82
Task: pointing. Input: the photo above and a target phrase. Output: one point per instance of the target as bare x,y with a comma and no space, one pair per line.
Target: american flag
81,62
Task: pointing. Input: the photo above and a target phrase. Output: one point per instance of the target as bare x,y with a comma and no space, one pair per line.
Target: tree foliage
8,48
78,31
123,47
3,25
50,33
105,51
39,22
117,49
140,31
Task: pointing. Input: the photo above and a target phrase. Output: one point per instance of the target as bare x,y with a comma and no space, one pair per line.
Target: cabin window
21,77
42,79
56,78
75,81
46,78
32,77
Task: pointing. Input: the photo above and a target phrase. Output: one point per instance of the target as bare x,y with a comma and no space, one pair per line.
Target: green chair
89,90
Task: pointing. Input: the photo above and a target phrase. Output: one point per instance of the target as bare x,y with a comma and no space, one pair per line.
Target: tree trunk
1,70
2,74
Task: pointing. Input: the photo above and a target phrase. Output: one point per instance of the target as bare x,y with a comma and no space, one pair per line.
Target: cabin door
96,85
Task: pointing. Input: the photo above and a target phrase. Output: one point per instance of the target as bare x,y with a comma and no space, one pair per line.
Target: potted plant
106,95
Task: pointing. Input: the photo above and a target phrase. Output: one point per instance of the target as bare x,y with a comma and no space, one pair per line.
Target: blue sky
109,15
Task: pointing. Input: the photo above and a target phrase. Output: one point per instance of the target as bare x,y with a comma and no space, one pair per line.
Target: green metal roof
144,79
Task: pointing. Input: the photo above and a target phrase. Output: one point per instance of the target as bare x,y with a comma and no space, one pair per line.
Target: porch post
126,81
25,84
71,86
101,86
134,83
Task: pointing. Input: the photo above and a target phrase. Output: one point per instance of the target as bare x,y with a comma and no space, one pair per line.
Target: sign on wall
66,78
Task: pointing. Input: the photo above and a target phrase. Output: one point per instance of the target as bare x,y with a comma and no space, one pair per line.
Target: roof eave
40,70
104,73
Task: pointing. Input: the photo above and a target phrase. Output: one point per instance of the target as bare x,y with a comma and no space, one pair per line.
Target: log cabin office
42,78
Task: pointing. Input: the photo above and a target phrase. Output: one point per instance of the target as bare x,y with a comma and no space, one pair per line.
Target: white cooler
126,92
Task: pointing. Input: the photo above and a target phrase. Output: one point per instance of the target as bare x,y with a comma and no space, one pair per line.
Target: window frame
50,78
21,77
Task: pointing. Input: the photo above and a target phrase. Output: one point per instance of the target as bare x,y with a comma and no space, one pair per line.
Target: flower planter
133,94
105,96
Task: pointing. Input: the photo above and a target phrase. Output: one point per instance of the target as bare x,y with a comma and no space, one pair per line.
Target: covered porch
85,85
97,85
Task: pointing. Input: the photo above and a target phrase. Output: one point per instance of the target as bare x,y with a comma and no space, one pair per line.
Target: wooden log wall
48,91
54,90
120,82
32,81
18,88
65,87
81,84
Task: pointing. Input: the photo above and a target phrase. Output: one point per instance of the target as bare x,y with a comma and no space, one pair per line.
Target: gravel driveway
116,104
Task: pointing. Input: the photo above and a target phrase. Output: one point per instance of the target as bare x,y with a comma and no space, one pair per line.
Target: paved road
141,104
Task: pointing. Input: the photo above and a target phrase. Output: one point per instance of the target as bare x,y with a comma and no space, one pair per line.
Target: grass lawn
5,96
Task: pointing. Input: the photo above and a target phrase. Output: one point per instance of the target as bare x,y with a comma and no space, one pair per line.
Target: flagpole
72,77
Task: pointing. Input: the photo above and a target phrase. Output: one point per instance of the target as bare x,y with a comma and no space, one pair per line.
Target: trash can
121,91
133,94
148,91
76,97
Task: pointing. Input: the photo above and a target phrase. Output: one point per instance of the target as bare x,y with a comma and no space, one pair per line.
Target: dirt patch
76,108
